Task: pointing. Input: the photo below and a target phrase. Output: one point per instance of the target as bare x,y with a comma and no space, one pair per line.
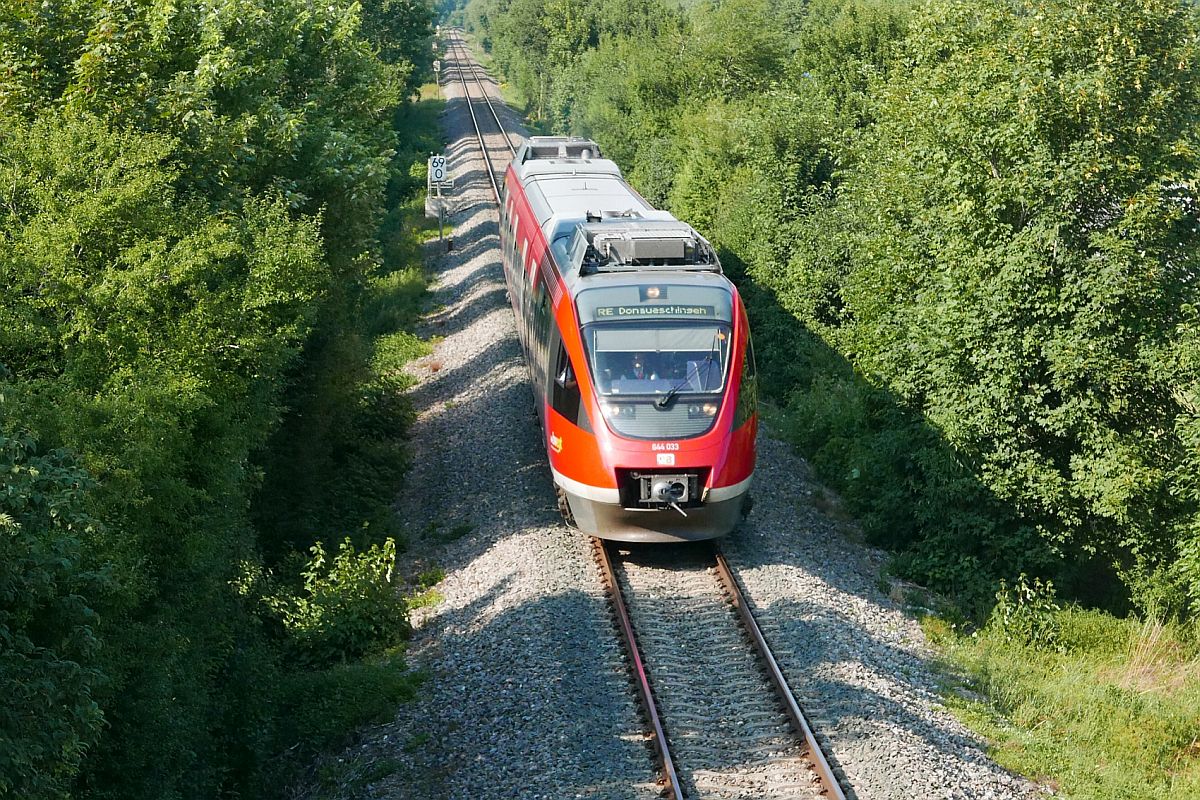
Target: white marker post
439,178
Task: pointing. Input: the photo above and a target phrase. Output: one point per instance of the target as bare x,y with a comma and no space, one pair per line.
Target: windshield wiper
674,390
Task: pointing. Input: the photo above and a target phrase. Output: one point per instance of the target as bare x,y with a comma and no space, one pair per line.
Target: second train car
638,349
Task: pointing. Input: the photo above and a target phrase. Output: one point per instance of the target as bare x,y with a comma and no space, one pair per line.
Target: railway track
463,65
722,719
714,697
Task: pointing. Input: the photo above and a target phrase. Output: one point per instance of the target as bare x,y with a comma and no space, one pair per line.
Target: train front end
670,385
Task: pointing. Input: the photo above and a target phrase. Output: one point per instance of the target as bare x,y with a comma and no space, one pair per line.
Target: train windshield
659,381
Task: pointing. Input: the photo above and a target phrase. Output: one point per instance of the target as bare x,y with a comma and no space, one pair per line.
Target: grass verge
1090,705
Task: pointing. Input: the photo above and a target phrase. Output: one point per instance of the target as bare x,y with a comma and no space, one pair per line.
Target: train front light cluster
701,410
618,410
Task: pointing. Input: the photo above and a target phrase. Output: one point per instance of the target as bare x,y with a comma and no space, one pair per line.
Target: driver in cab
638,371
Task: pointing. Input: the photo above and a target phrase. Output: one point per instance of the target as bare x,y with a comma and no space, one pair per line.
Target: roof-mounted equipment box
572,147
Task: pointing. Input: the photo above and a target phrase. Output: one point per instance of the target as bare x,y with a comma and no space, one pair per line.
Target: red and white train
638,350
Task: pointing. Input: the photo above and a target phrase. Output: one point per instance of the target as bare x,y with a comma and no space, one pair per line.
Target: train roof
596,223
630,244
565,178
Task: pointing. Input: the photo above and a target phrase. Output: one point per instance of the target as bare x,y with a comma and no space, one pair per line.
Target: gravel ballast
528,694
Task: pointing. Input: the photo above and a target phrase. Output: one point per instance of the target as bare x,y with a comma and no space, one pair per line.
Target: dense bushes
1018,266
48,670
145,332
347,607
193,195
331,464
969,232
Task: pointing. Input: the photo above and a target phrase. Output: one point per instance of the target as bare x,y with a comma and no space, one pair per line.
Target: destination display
656,310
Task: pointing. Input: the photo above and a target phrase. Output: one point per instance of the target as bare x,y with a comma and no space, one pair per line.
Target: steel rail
672,788
487,159
475,70
829,782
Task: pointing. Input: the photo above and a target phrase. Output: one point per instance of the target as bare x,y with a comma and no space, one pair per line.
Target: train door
541,317
506,237
524,300
509,256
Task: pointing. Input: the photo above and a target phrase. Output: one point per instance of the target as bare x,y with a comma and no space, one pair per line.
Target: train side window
512,239
564,396
747,403
564,388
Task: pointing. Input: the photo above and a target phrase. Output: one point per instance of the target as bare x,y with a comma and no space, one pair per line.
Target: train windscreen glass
661,380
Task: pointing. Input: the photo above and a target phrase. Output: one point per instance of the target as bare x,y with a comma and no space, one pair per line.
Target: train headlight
653,292
709,409
614,411
701,411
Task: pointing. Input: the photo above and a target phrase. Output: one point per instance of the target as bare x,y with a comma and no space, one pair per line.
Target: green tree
48,644
148,336
1022,247
284,98
734,48
403,32
190,192
627,94
846,46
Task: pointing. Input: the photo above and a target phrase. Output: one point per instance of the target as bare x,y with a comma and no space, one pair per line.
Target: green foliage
1025,614
845,48
48,646
335,461
347,606
320,706
194,197
633,84
539,43
284,98
402,30
734,49
1017,264
337,458
148,336
424,593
